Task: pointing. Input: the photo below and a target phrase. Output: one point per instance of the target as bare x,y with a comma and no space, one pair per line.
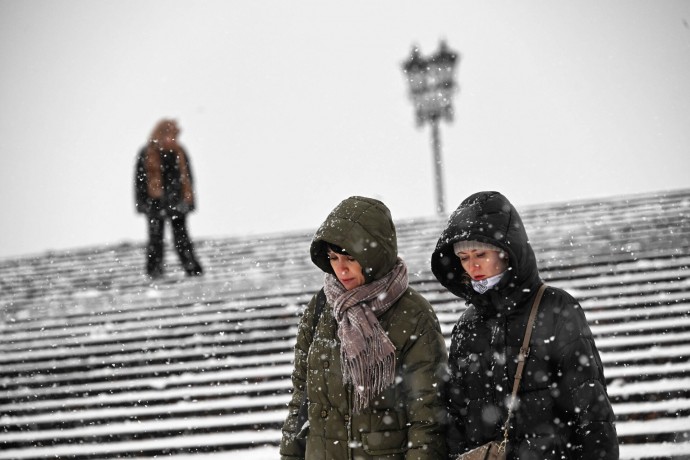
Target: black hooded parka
405,420
563,409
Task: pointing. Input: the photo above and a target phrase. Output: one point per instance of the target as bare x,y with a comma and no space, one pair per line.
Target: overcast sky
286,108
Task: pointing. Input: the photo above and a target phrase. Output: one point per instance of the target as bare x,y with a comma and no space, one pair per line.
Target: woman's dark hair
335,248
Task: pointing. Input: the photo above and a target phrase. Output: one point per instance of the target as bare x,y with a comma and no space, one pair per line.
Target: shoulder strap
522,357
318,309
524,350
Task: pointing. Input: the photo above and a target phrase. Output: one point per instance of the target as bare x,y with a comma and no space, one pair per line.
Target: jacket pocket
385,442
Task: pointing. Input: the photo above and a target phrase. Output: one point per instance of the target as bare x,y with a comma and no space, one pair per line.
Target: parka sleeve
189,167
141,199
424,367
583,389
289,449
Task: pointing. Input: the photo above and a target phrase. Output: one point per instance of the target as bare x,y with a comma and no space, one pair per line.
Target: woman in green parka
373,362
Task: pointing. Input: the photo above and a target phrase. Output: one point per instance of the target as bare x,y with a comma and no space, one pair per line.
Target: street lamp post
432,85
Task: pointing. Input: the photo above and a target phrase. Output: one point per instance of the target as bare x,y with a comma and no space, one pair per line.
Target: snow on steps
96,362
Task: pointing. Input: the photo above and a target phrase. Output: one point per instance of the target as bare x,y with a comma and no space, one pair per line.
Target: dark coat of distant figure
564,410
164,189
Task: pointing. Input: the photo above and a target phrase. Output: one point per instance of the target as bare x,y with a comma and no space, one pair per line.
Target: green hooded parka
405,421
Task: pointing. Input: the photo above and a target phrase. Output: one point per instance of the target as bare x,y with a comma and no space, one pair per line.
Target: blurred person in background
373,361
164,190
563,410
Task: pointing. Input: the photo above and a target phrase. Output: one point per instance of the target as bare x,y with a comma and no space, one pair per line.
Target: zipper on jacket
499,362
350,437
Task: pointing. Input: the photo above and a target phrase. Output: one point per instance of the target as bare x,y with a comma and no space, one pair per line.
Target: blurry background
286,108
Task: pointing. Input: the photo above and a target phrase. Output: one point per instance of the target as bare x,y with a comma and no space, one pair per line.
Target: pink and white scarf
367,354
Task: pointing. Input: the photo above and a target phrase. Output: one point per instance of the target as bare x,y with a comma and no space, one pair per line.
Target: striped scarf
366,352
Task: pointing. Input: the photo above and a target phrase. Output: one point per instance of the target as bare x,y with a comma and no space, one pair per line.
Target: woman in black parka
563,410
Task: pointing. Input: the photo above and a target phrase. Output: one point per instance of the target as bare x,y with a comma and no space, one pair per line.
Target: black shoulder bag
302,414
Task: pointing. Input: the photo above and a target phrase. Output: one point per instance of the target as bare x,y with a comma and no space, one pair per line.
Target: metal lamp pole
432,85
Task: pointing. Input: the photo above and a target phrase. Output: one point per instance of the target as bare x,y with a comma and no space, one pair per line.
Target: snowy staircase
97,362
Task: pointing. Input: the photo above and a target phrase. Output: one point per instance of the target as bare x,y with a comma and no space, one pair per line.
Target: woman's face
482,263
346,269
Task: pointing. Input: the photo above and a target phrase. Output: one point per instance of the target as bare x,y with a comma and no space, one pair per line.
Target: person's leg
155,251
184,246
